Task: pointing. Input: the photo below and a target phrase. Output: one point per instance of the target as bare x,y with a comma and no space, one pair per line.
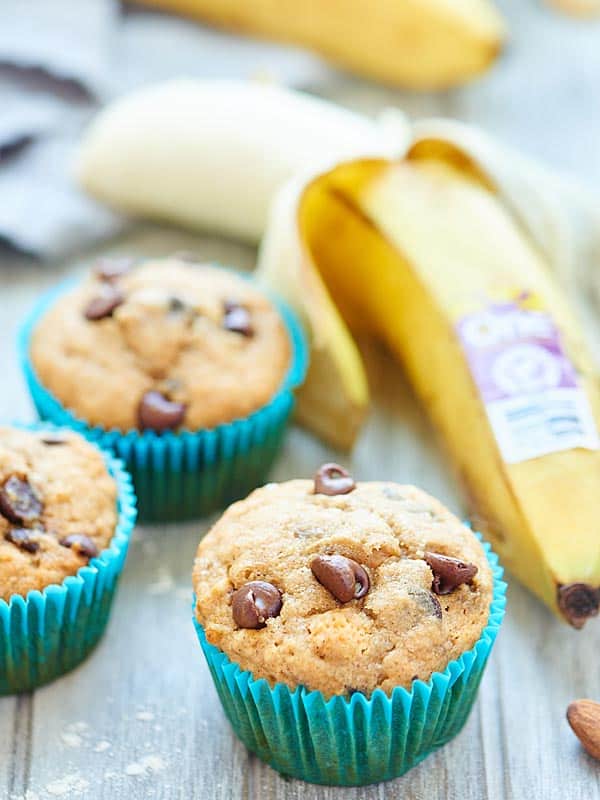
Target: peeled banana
215,151
424,255
420,44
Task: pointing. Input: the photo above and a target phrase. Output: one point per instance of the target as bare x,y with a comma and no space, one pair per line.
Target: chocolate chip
53,439
21,537
331,479
18,501
111,269
578,602
237,318
427,601
82,545
448,573
104,303
156,412
343,577
254,603
177,305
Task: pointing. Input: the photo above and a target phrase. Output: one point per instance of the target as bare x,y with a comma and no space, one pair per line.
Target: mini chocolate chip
104,303
427,601
53,439
331,479
237,318
578,602
254,603
21,537
177,305
111,269
18,501
343,577
82,545
156,412
448,573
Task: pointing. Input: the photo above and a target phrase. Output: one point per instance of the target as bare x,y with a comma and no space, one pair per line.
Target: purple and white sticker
529,386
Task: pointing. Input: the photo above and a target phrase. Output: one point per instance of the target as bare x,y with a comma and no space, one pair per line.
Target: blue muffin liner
186,474
47,633
354,741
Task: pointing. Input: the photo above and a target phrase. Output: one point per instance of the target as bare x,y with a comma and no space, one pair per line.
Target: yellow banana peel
424,255
421,44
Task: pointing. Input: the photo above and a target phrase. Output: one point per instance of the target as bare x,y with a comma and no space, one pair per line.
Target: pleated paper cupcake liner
49,632
187,474
357,740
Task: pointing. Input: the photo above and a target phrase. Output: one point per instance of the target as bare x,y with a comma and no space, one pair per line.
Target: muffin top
341,587
161,345
57,508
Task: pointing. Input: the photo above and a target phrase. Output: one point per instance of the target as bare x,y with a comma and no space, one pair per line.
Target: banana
211,154
420,44
423,254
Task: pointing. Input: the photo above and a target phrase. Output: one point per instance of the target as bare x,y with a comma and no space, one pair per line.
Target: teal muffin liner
47,633
187,474
357,740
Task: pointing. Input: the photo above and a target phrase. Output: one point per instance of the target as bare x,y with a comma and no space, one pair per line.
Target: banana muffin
57,508
161,345
341,587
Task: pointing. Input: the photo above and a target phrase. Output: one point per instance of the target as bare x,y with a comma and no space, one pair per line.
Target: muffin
368,609
66,513
185,369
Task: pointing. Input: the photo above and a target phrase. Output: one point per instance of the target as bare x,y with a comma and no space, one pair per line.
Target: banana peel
419,44
406,250
334,399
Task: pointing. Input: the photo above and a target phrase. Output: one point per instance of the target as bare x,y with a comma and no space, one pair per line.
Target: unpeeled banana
423,254
421,44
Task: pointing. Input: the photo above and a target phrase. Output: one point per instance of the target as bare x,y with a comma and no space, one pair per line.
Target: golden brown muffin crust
398,631
175,330
73,495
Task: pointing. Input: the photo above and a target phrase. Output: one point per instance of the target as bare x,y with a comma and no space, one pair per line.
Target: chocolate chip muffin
161,345
341,587
57,508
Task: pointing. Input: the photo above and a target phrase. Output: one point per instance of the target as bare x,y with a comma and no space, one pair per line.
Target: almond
584,719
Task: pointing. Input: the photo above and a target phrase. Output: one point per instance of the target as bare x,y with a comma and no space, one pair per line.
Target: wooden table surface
140,719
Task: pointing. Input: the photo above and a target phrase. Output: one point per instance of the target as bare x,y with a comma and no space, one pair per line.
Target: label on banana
533,399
